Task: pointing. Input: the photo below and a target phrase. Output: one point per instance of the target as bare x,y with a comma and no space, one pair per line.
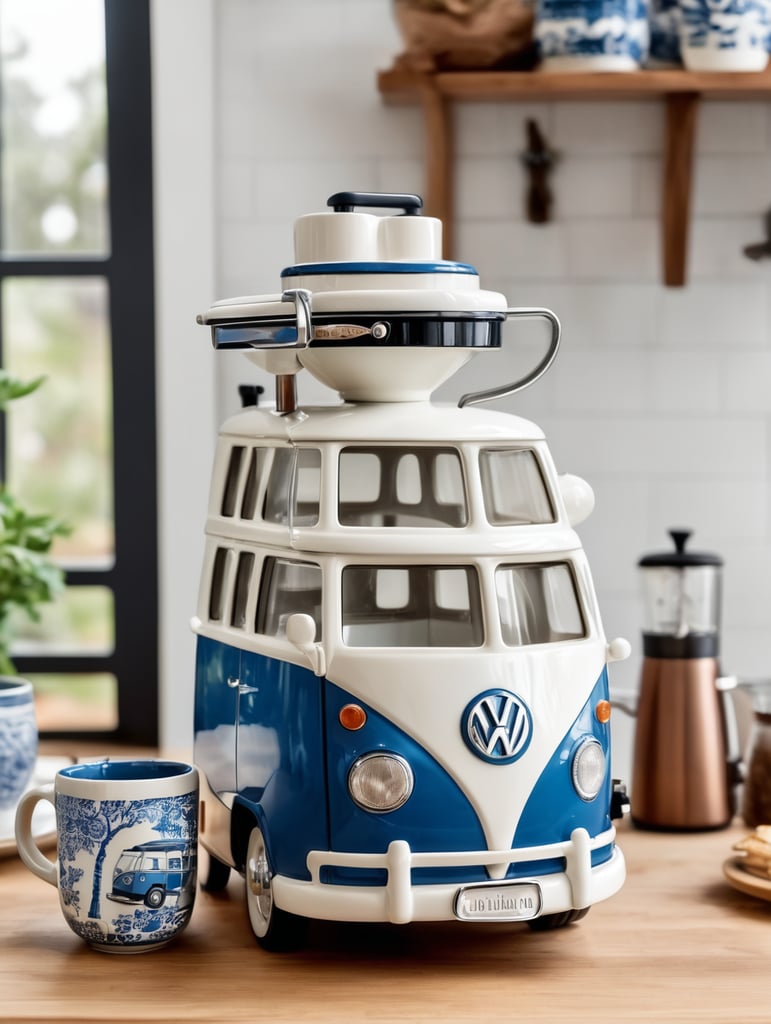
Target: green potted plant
28,577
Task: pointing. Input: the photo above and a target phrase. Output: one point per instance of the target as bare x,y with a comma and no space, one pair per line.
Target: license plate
498,901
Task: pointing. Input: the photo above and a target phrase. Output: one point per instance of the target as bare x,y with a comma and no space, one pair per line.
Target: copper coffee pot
686,762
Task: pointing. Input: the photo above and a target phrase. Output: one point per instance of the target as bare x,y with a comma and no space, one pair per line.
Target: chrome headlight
588,770
380,782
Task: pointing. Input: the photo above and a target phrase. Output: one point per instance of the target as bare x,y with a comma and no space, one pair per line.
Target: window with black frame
76,307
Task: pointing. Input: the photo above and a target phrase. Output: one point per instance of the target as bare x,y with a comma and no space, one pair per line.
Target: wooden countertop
676,944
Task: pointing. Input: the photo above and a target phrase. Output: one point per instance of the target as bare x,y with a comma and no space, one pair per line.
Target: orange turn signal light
352,717
602,711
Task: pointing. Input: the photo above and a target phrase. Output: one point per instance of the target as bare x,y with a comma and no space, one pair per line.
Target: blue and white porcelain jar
725,35
18,739
664,19
592,35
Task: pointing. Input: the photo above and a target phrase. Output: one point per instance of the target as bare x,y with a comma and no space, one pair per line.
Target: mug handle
36,861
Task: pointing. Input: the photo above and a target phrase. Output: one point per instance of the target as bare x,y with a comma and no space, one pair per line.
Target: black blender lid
680,558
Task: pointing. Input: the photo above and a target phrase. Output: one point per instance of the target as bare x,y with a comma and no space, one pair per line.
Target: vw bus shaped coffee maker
401,686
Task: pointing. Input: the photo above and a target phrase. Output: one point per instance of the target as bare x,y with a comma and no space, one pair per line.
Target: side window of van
513,487
217,585
223,579
292,488
241,589
392,486
411,606
292,494
252,484
538,604
288,587
230,492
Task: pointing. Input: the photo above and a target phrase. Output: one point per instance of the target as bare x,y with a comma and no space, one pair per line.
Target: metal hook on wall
539,159
761,250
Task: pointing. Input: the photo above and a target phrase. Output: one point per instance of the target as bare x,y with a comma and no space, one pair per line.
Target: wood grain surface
676,944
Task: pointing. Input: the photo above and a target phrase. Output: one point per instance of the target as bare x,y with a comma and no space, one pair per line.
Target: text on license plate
508,901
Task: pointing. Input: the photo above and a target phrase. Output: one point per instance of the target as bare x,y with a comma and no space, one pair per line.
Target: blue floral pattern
731,32
592,30
92,836
18,749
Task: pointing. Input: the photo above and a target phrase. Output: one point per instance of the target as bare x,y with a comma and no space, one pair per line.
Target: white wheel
274,928
259,898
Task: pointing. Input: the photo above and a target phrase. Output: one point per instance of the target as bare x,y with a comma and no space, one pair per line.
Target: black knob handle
250,394
345,202
680,538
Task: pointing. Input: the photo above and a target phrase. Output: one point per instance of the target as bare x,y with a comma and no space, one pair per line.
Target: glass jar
756,804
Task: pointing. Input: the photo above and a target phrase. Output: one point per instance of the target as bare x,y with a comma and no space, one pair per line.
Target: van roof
158,844
384,421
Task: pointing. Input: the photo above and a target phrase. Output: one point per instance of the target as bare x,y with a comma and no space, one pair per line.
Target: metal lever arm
302,305
504,390
263,332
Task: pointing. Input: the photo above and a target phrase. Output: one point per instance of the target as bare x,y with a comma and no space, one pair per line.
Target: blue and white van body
152,872
402,702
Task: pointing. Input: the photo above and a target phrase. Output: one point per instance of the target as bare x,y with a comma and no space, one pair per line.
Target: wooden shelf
681,91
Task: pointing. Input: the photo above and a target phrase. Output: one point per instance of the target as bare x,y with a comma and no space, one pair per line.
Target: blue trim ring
15,692
126,771
378,267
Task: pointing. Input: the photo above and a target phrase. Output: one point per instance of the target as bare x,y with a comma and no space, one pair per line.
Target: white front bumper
399,901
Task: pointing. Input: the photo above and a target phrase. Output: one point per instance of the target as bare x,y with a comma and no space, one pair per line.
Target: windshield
127,862
411,606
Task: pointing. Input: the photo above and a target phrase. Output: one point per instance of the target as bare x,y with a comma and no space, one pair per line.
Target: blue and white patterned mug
18,739
725,35
127,835
592,35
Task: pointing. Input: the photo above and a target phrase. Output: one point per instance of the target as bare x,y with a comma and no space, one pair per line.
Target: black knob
345,202
250,394
680,538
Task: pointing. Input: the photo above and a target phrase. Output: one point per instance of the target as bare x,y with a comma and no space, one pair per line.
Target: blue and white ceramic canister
18,739
664,19
725,35
592,35
127,840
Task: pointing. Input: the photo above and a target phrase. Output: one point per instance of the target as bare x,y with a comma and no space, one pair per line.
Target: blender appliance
686,761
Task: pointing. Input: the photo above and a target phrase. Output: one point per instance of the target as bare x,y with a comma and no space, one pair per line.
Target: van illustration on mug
401,708
151,872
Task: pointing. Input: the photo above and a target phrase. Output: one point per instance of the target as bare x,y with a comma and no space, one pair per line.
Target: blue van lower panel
264,739
278,735
437,816
554,808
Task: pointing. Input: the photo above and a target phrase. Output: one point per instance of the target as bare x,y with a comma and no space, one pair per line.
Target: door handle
235,684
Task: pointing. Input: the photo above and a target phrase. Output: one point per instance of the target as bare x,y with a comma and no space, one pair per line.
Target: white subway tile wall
660,397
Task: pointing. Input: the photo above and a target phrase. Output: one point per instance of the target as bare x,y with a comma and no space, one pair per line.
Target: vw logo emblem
497,726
